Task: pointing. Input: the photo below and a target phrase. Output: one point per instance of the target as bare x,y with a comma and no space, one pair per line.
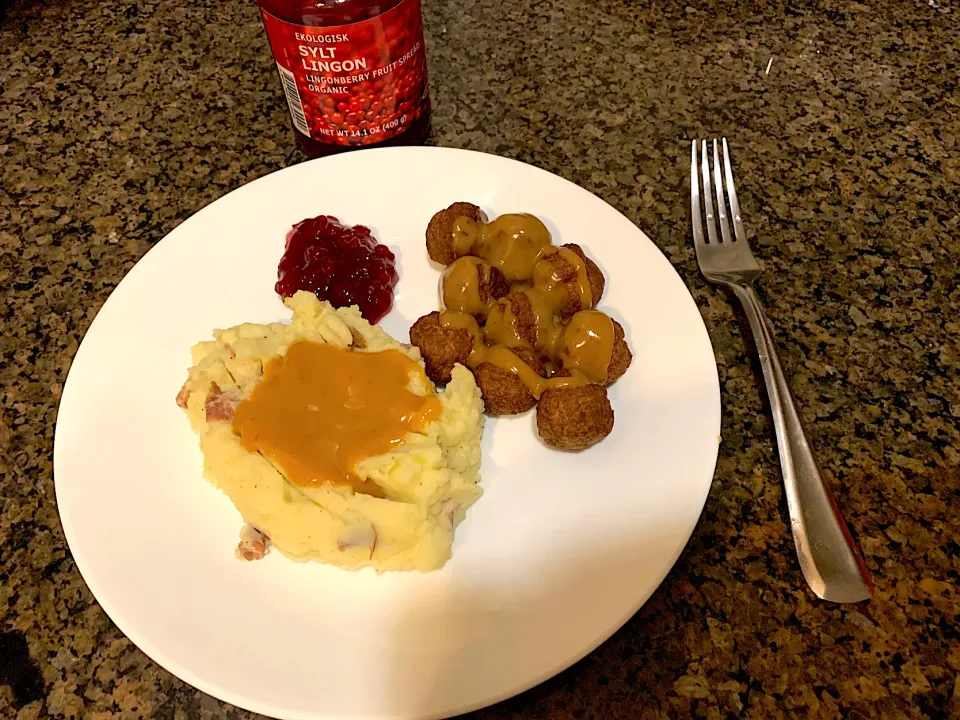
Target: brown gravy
520,246
319,410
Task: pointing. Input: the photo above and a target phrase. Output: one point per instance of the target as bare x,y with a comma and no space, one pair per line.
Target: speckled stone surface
119,120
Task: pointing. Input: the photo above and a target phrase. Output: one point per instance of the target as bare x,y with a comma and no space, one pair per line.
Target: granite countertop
119,120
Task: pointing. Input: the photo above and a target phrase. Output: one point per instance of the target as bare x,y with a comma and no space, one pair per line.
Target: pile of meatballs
519,312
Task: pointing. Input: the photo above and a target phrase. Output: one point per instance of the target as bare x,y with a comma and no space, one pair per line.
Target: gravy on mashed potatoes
332,443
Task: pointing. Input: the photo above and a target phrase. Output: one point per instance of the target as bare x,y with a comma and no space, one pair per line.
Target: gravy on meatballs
520,312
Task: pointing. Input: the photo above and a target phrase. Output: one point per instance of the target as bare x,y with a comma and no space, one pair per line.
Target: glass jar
354,72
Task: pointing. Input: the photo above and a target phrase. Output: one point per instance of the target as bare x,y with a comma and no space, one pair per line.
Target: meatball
556,277
577,352
441,347
471,285
621,357
512,243
512,322
594,275
504,393
440,231
574,418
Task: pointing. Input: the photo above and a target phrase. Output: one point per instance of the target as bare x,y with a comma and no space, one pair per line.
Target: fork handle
828,554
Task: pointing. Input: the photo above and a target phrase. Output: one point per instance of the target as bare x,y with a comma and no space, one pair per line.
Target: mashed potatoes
429,480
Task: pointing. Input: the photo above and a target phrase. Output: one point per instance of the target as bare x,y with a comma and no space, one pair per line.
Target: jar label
355,84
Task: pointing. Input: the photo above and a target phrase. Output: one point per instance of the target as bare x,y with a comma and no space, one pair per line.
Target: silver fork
828,555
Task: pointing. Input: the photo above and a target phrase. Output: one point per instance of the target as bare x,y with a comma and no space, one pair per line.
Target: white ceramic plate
558,553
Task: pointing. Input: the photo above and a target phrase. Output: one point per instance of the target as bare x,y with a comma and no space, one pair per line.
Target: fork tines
721,180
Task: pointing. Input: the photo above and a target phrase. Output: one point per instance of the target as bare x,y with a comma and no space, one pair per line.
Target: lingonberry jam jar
354,72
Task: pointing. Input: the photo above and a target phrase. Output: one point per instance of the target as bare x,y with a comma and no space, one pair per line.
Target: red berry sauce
338,263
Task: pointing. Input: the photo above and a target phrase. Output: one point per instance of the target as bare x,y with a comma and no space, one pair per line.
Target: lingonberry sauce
354,72
338,263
